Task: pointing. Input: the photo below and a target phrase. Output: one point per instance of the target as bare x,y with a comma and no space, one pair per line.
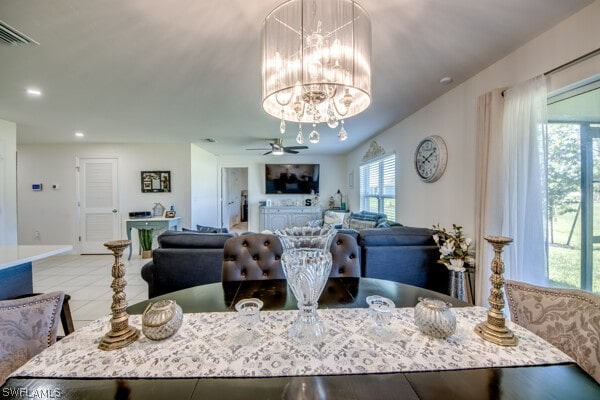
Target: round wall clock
431,157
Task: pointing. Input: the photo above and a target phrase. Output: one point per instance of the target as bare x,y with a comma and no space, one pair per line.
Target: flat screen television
291,178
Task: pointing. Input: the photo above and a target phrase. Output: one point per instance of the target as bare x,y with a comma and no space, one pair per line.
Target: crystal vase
306,262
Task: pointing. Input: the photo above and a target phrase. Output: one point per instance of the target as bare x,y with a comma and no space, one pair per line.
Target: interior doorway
234,199
97,200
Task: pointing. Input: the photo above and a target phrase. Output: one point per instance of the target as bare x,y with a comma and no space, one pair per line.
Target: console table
155,223
273,218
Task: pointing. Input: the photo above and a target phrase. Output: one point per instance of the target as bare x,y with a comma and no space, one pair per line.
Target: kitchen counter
15,266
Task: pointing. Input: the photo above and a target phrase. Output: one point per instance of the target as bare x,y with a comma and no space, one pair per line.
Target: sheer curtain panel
524,206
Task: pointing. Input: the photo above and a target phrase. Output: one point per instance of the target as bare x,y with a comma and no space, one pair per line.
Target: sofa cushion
363,220
192,240
396,236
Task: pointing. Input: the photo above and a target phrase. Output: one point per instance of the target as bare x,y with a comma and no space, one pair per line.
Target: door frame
222,188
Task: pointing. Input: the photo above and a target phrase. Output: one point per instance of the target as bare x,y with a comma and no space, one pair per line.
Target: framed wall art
156,181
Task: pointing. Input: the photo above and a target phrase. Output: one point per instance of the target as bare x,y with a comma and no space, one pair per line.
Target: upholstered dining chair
27,326
258,256
567,318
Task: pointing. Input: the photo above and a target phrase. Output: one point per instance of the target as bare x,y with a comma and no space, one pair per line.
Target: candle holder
494,329
121,333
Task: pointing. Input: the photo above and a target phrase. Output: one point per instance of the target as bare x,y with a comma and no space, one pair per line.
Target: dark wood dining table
564,381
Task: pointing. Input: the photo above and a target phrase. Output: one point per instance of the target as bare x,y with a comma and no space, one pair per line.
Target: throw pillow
210,229
27,326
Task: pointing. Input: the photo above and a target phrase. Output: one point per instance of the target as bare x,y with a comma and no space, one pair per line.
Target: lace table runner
206,346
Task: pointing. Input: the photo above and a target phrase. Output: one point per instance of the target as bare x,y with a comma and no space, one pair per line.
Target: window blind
378,186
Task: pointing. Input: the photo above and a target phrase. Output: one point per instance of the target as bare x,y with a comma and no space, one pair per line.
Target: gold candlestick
494,329
120,334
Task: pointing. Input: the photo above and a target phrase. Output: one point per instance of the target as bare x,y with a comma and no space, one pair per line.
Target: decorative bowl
162,319
435,318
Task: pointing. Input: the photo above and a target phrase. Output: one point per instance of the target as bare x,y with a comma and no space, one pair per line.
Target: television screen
291,178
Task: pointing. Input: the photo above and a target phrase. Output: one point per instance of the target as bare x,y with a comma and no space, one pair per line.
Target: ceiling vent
10,35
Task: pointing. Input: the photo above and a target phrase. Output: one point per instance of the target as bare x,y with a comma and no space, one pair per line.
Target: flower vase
306,262
459,286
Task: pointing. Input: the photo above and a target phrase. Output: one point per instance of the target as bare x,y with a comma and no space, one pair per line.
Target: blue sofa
402,254
184,259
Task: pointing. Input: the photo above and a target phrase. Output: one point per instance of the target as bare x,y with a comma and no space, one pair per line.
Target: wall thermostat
36,187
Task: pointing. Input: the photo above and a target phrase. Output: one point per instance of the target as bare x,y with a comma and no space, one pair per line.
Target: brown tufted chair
257,256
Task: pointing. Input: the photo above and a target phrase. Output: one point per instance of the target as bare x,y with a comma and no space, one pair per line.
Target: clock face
430,158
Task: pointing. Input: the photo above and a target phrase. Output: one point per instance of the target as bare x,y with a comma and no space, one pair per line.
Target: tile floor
87,279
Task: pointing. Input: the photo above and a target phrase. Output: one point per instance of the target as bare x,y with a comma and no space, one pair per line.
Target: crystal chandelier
316,64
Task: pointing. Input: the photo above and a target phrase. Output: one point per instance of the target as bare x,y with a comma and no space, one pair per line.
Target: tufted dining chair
257,256
27,326
567,318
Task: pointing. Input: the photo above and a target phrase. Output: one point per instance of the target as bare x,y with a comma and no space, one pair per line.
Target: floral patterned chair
567,318
27,326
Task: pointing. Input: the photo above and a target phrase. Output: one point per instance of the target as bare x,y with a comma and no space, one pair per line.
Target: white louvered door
98,202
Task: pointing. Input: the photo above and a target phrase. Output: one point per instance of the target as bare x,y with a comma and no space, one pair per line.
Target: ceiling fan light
277,151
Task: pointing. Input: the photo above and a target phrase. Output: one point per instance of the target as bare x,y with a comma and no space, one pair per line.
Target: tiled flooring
87,279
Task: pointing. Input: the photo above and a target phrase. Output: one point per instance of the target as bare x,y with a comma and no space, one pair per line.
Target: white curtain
524,205
510,183
489,187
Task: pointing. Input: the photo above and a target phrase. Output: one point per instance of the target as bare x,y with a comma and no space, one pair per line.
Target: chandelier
316,64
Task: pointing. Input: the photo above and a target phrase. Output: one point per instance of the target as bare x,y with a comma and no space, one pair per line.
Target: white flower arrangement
454,248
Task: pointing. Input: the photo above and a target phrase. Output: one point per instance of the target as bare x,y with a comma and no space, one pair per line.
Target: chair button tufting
245,244
339,242
277,258
265,274
267,243
352,256
255,258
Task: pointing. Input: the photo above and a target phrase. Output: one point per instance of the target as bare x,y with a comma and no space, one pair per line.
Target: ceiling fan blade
288,150
297,147
268,152
263,148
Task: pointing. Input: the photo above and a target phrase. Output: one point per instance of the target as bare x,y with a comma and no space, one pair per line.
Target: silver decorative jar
435,318
162,319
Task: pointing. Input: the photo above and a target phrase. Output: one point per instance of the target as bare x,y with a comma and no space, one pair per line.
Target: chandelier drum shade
316,61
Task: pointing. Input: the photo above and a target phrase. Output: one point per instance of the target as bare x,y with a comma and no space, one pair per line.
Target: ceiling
155,71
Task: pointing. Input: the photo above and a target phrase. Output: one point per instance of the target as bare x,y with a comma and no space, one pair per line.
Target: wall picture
156,181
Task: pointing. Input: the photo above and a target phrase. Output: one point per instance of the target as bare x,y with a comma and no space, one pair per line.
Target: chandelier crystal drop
282,125
314,135
342,135
300,136
316,62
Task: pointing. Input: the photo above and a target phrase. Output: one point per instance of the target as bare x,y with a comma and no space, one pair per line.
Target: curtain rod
573,62
568,64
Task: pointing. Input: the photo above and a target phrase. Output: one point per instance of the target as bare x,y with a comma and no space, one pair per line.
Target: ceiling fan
277,148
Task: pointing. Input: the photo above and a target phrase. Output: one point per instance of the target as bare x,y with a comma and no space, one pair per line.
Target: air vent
209,140
10,35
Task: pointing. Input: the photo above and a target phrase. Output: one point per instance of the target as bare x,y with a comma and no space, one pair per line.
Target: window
573,152
378,186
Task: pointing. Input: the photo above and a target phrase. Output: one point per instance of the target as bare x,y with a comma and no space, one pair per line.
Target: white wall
333,177
53,213
205,197
8,183
453,116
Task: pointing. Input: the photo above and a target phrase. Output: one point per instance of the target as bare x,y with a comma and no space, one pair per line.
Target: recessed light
34,92
79,134
446,80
